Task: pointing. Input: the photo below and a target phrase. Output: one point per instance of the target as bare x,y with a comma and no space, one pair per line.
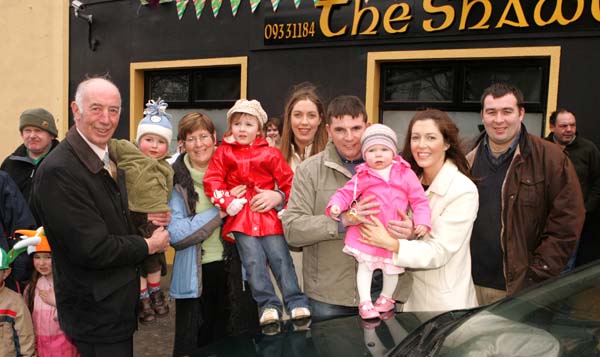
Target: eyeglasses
201,138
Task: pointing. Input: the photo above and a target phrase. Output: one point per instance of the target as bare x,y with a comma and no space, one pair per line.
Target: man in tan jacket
329,274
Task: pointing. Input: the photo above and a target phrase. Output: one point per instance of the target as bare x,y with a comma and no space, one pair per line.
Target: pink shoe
384,304
367,311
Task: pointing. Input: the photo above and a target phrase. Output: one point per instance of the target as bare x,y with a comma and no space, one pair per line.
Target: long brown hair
29,293
449,132
303,91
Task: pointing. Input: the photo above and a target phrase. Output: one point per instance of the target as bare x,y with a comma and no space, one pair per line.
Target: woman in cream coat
440,263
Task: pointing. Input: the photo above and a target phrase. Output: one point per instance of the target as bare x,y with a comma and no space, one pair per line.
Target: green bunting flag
180,5
145,2
216,6
296,3
198,6
235,5
254,4
275,4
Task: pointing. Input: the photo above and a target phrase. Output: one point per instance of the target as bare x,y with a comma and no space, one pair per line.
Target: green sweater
149,181
212,248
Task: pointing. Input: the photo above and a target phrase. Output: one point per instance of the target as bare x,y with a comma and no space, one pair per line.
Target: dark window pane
418,84
218,83
172,87
529,79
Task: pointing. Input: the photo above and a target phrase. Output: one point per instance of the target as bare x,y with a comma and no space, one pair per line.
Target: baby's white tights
364,277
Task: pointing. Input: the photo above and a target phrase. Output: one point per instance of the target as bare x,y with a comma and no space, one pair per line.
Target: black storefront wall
127,32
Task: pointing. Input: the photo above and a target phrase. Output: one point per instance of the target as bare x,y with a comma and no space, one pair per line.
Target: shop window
209,87
415,84
211,90
455,86
172,87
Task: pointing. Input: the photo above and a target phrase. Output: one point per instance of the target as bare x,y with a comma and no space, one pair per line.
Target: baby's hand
334,212
420,231
236,206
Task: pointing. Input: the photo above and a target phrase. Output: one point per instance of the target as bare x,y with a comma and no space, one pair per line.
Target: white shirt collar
98,150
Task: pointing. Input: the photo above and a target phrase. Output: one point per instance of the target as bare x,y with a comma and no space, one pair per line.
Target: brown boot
159,303
146,314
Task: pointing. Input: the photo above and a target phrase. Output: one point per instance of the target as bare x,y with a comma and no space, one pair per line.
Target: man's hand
159,241
402,228
238,191
160,218
358,214
265,200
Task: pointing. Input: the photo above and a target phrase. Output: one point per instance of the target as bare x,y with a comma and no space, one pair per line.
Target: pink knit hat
379,134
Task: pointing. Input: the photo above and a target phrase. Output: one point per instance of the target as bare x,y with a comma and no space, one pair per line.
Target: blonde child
390,179
16,327
51,341
245,158
149,179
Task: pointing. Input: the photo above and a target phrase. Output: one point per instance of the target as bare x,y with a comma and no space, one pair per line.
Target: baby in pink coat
395,186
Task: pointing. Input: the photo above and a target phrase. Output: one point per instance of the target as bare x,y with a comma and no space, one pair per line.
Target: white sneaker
300,313
269,316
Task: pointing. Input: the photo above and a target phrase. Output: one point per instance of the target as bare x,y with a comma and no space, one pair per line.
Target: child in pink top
390,179
51,341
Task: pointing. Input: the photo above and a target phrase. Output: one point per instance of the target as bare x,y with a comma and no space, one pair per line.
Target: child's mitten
236,206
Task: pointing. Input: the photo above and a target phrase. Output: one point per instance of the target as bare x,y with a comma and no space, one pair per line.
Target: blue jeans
255,253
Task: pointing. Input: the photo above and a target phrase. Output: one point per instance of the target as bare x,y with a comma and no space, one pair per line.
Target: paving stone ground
156,339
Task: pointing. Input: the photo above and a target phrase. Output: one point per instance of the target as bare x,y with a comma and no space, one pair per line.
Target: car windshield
558,318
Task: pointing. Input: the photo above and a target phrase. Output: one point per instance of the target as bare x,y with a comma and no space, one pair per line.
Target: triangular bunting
180,5
198,6
152,2
254,4
275,4
216,6
296,3
235,5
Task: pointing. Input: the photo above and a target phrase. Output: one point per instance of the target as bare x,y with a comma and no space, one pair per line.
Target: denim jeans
255,253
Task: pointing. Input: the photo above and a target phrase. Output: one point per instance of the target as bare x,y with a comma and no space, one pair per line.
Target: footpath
156,339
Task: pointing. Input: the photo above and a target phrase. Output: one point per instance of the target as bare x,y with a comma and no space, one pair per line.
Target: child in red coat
246,159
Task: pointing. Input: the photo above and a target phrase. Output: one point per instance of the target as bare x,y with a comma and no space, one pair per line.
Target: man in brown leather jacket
531,208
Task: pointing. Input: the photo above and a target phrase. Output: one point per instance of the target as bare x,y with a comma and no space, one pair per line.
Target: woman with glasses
211,298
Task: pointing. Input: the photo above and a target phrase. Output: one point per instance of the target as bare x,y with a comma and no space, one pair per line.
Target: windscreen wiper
429,337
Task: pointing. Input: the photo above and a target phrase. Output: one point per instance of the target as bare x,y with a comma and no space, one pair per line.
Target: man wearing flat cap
39,133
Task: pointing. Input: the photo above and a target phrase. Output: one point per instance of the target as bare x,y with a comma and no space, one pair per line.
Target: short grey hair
82,87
